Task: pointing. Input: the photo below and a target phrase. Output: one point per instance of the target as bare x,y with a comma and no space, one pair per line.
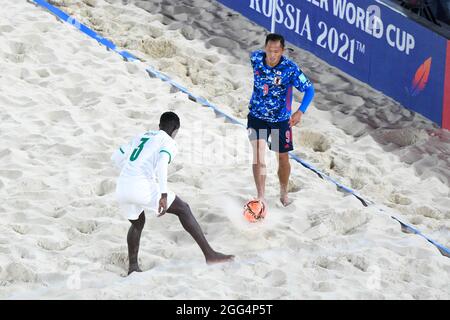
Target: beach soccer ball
254,211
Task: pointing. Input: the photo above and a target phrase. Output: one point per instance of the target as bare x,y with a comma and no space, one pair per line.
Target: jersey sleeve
256,58
299,80
121,154
161,171
170,148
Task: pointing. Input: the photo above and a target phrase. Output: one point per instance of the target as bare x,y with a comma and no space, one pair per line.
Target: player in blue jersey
270,119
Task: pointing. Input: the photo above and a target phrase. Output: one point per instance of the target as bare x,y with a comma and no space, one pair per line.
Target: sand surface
66,103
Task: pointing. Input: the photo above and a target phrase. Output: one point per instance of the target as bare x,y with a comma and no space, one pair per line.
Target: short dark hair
275,37
169,120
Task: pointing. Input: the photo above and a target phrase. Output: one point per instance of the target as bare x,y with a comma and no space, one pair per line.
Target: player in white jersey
142,186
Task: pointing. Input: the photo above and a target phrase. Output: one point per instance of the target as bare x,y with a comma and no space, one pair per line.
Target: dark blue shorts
280,133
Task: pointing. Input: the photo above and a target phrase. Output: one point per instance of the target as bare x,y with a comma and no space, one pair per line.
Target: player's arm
161,171
307,99
120,155
256,57
302,84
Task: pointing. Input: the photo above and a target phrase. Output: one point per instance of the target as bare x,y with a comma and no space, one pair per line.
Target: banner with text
369,41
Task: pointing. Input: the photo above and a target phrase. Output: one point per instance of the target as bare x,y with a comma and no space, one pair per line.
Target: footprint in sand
37,195
326,263
345,99
47,58
88,163
358,262
276,278
225,43
188,10
213,218
11,174
137,115
212,59
53,245
350,124
78,132
65,149
60,115
132,68
429,212
21,228
75,95
314,140
17,47
324,224
20,272
325,104
43,73
357,183
398,198
117,258
25,253
159,48
6,28
118,101
105,187
324,286
5,152
416,220
86,226
43,27
176,168
14,58
177,237
189,33
401,137
58,213
295,186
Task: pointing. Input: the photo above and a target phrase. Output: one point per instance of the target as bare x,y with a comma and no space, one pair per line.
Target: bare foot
285,201
134,268
218,257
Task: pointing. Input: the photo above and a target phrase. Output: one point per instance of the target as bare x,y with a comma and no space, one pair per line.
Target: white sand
66,103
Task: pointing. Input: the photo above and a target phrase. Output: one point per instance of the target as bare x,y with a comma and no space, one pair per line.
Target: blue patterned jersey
272,90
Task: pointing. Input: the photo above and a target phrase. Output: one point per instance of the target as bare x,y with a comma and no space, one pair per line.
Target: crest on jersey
266,89
277,81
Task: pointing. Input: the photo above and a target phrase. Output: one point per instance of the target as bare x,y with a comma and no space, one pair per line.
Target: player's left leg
133,240
190,224
281,143
284,171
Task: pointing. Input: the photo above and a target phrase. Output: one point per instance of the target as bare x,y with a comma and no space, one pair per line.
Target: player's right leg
190,224
258,134
133,240
259,167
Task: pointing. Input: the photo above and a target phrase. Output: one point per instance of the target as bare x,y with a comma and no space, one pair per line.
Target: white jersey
137,188
139,158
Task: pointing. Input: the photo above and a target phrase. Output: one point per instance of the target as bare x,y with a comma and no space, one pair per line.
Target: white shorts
138,194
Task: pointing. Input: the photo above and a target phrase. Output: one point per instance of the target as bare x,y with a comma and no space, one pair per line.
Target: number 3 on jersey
138,149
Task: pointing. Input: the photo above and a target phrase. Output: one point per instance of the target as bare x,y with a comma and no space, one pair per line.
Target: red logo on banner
421,77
